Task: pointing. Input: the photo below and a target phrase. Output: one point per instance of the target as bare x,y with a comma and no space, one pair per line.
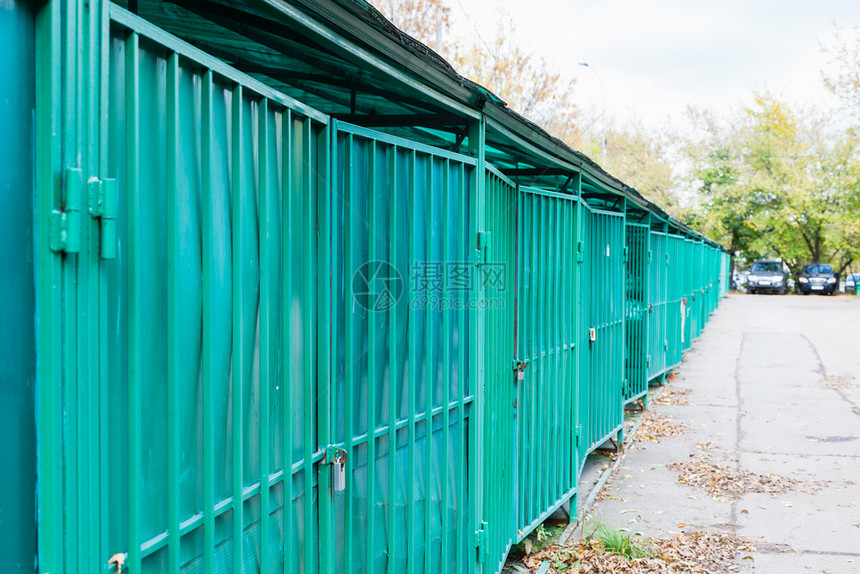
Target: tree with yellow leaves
524,80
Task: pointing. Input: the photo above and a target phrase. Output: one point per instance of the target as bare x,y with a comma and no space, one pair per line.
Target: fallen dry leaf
725,482
697,552
668,397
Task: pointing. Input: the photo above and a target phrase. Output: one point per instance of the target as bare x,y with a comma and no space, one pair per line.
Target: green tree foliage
778,182
642,158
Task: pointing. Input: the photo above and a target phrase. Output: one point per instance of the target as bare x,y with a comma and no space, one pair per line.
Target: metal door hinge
578,433
103,206
65,224
650,255
625,253
580,251
483,246
648,361
665,344
481,541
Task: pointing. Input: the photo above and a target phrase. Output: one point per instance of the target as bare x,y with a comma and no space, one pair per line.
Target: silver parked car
766,276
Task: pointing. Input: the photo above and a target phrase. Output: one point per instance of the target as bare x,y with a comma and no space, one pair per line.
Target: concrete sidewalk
770,387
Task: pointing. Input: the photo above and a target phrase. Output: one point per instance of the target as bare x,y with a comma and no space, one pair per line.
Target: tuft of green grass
622,543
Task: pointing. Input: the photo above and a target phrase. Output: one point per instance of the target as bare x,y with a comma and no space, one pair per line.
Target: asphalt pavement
769,392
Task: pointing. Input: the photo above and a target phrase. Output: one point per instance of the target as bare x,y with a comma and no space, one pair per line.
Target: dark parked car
817,278
766,276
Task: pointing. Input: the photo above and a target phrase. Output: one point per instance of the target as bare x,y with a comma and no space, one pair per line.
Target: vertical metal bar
319,195
308,329
210,329
349,378
371,363
558,487
267,369
49,292
372,368
101,47
287,261
477,148
135,310
427,229
90,282
174,313
392,364
410,361
71,377
239,326
446,355
463,254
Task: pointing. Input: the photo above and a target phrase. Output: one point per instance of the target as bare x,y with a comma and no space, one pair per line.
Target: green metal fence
657,308
636,312
502,451
211,316
546,350
601,352
402,392
675,305
270,340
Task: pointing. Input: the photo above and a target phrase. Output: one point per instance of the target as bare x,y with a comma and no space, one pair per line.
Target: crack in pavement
739,431
823,370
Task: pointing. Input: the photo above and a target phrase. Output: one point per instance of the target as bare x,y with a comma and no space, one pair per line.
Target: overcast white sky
657,56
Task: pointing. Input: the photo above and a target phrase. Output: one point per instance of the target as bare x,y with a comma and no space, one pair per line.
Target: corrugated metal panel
546,344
